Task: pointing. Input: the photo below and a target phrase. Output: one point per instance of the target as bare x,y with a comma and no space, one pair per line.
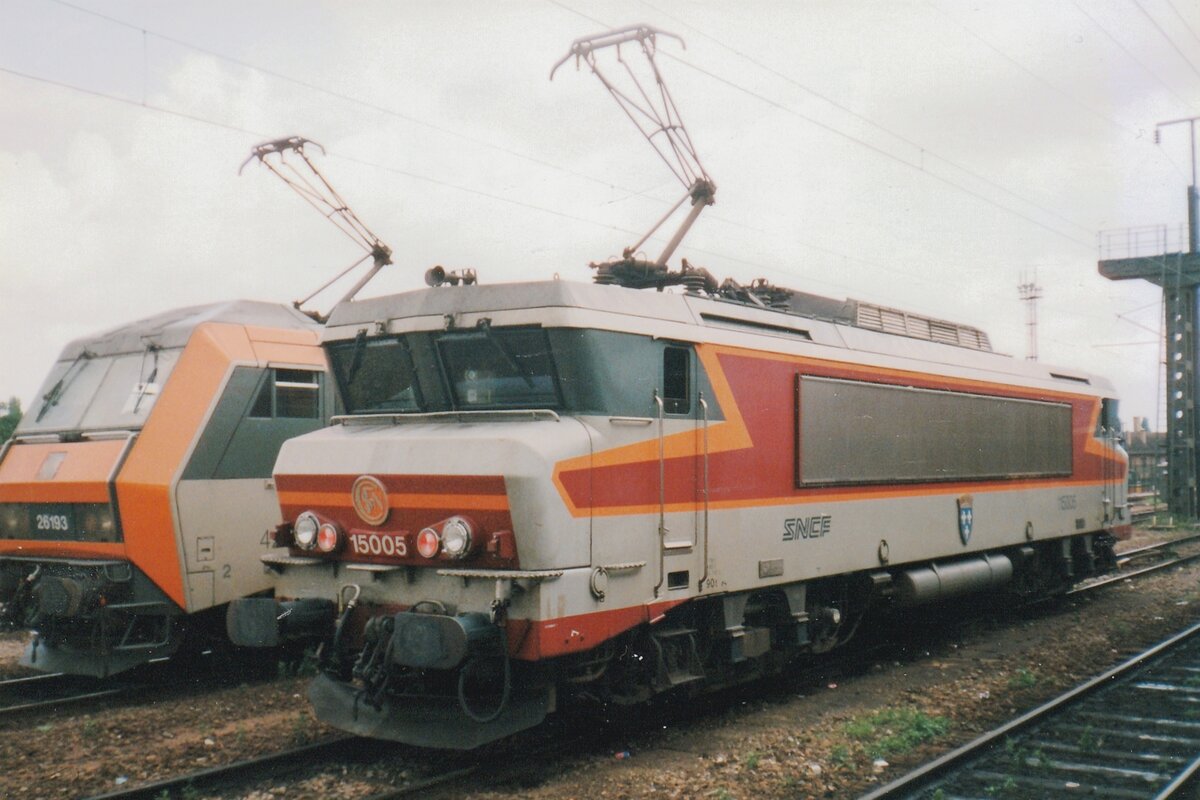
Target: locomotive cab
135,495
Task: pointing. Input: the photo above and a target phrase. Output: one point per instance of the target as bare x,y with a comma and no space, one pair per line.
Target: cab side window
289,394
676,383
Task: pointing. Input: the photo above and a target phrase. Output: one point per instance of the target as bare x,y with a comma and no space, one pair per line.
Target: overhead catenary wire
1072,96
1162,32
373,106
641,193
907,275
1129,53
194,118
922,149
1187,25
848,137
231,122
509,200
1090,246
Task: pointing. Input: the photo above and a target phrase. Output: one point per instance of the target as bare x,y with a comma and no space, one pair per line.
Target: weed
840,756
722,794
1088,741
1002,790
90,727
752,760
300,728
861,728
1024,679
895,731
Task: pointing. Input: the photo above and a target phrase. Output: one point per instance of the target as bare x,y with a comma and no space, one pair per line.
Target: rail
262,767
1126,557
1133,708
52,690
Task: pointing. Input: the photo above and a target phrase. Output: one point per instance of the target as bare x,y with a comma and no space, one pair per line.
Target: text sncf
812,527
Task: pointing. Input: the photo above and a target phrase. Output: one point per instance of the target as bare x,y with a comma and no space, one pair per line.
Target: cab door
656,523
683,470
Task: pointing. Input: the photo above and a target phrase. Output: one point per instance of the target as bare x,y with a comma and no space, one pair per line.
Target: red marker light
329,538
428,543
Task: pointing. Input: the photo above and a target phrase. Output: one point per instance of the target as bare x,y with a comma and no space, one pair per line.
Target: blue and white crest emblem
966,517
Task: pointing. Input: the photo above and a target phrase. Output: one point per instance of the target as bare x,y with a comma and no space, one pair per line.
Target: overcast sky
924,155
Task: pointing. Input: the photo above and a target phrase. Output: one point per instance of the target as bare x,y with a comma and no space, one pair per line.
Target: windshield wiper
356,358
485,326
51,398
144,388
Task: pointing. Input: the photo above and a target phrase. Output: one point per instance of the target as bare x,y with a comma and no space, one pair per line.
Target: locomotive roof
656,305
508,297
172,328
863,327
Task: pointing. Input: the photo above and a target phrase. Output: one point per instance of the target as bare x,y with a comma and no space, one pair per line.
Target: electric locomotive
136,493
597,489
611,492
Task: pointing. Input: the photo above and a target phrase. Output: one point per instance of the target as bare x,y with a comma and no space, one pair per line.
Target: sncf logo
816,526
370,500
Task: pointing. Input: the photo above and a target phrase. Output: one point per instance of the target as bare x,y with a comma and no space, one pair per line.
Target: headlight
428,543
305,530
329,538
14,521
96,522
456,537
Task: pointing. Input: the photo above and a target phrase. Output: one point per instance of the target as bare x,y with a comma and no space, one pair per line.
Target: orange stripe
730,434
880,493
58,549
54,493
471,502
82,476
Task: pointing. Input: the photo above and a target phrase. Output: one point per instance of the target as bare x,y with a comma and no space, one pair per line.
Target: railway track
37,692
1133,732
280,764
291,766
1130,557
297,764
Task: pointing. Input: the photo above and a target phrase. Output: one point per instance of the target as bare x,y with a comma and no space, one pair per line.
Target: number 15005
378,544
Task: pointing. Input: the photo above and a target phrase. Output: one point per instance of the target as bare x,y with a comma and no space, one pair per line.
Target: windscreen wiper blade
51,398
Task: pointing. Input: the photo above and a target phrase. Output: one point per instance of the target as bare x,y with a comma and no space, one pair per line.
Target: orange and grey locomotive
136,494
557,487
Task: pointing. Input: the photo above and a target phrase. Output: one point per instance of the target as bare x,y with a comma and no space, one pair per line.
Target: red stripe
416,484
764,391
532,640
